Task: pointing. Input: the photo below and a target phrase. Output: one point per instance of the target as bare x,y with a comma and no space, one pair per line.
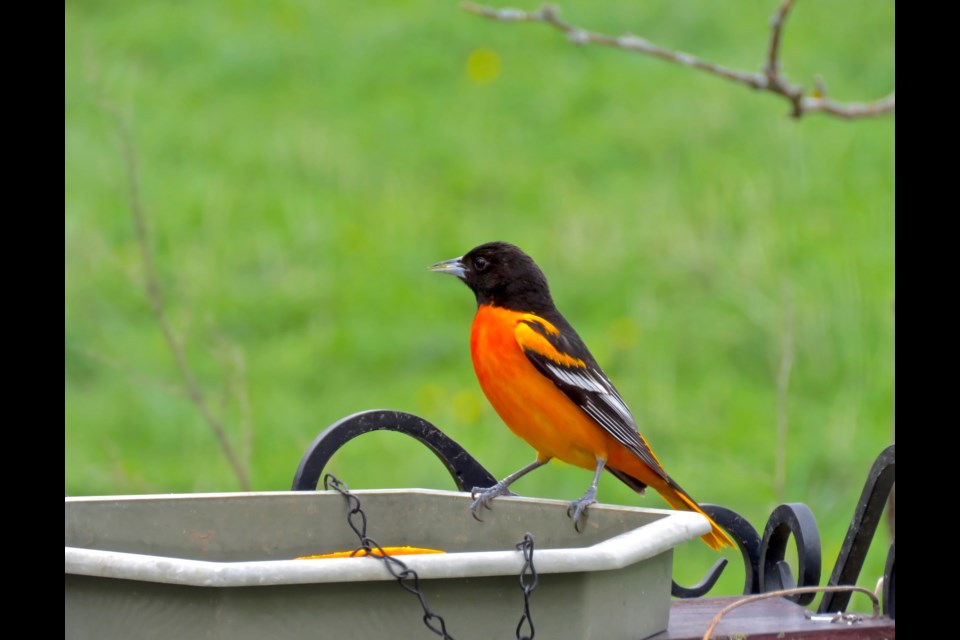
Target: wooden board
775,618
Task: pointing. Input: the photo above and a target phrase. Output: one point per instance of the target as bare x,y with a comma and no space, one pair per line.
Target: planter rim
616,552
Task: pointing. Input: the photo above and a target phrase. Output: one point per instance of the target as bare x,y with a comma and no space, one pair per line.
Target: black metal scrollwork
794,519
765,567
863,525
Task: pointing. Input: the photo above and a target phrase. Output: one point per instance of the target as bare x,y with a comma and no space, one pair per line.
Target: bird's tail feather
678,499
717,538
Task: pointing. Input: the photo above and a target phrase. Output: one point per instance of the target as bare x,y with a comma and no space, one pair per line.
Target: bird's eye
481,263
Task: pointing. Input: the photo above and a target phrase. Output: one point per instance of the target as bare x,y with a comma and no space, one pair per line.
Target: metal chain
528,582
408,578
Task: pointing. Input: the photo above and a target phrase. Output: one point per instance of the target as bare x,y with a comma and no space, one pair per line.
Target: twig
771,79
155,299
783,387
787,592
237,387
849,110
776,30
130,371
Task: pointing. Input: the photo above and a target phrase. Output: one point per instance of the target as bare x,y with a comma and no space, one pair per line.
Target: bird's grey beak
454,267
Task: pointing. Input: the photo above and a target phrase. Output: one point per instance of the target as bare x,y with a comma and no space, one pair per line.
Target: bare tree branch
157,306
771,80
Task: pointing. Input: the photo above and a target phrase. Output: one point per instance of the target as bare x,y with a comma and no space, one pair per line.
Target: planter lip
616,552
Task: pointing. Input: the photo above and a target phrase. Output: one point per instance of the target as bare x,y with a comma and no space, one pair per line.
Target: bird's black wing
558,353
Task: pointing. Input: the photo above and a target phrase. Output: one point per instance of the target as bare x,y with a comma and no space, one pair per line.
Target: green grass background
302,164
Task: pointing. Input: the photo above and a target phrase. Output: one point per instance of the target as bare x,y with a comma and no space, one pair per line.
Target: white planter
222,566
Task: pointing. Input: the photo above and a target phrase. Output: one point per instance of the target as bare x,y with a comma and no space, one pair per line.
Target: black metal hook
748,542
703,587
464,469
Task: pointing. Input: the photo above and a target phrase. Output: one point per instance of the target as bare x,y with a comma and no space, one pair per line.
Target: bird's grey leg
483,497
577,510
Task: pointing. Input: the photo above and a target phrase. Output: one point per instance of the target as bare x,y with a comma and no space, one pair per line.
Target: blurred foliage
303,163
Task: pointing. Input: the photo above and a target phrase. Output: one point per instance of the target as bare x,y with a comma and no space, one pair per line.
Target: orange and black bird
547,387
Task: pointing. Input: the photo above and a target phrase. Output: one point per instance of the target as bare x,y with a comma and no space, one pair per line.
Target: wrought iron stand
765,567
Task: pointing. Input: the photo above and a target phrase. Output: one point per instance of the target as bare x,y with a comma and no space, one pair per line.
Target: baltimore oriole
547,387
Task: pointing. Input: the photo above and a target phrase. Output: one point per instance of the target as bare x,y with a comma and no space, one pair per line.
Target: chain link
528,582
408,579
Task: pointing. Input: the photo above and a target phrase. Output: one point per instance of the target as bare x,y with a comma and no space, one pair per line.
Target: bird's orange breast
529,403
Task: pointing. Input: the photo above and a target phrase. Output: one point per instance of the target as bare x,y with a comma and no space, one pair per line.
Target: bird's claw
482,497
577,510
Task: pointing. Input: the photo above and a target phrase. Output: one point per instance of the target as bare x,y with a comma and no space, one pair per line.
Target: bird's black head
502,275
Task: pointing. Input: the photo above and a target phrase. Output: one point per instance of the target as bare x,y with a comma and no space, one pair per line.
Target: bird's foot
483,497
577,510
